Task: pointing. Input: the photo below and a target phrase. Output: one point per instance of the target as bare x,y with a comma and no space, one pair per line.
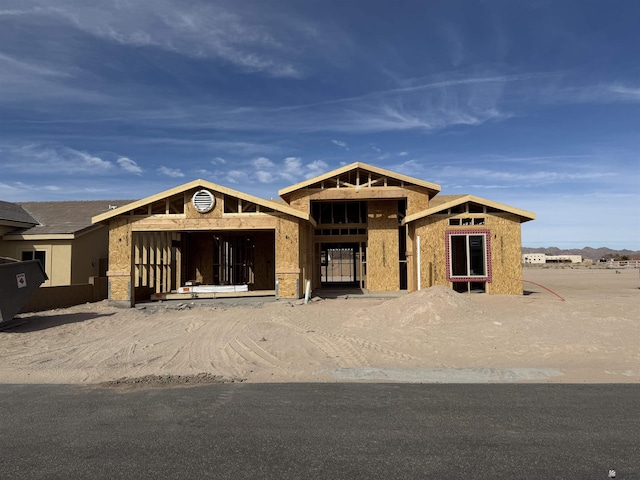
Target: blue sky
535,104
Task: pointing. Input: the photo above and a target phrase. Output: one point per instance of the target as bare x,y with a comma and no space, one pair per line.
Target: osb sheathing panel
505,251
506,254
120,261
264,262
288,257
300,201
417,199
289,285
191,212
383,272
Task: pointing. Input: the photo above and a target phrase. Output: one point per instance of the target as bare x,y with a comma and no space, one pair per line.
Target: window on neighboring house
35,255
468,256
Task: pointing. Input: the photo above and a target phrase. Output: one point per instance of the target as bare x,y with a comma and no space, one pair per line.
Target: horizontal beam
234,223
340,238
362,193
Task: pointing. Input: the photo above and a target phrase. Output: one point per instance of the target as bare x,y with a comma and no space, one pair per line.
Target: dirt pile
431,306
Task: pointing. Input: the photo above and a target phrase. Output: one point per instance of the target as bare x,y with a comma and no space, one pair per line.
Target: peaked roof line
199,183
14,214
364,166
524,215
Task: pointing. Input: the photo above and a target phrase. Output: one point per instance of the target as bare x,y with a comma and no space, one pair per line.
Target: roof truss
360,175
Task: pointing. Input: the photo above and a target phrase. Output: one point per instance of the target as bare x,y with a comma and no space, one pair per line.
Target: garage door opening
174,263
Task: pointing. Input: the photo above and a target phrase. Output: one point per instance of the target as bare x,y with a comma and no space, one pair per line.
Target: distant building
59,234
541,258
537,258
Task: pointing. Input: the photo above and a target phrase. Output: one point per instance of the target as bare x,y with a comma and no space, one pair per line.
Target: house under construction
357,226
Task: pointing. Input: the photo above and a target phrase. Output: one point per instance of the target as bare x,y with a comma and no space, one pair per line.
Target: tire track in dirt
355,344
267,358
337,347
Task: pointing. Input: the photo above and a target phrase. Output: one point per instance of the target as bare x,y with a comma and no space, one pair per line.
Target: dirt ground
590,335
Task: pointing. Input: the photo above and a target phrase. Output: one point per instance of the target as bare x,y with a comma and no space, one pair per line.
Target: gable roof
62,218
12,214
443,202
355,168
282,208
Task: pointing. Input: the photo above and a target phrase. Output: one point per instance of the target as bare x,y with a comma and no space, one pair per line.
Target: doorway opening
342,265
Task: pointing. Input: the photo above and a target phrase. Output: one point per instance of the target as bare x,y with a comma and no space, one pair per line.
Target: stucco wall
87,251
57,258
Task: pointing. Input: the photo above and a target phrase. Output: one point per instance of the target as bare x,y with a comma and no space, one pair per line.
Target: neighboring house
60,235
541,258
359,226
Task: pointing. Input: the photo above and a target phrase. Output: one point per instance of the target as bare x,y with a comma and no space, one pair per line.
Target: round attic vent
203,200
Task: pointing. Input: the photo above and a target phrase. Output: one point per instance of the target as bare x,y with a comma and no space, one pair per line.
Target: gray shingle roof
68,217
12,212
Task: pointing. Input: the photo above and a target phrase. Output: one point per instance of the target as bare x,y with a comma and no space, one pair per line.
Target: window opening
467,255
39,255
332,213
230,204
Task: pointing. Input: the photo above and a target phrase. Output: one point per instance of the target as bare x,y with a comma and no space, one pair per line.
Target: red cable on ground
547,289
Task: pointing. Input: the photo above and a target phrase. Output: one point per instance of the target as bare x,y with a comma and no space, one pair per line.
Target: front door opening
342,264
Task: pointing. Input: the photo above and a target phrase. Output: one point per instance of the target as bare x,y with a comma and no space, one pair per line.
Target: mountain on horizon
594,254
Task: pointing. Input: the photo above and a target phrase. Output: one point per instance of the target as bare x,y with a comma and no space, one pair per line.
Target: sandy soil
434,335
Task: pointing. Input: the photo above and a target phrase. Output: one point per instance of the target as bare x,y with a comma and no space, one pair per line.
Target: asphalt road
333,431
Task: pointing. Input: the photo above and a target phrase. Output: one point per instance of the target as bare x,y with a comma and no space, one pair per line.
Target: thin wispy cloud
253,40
52,158
170,172
129,165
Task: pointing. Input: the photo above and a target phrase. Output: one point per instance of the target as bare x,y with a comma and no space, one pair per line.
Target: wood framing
358,226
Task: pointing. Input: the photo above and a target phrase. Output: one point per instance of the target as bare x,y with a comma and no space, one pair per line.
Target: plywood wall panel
120,262
288,269
383,272
191,212
417,199
505,251
300,201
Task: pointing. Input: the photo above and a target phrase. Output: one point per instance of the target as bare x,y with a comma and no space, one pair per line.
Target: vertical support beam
152,260
419,266
178,260
145,259
158,262
360,264
136,261
167,249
